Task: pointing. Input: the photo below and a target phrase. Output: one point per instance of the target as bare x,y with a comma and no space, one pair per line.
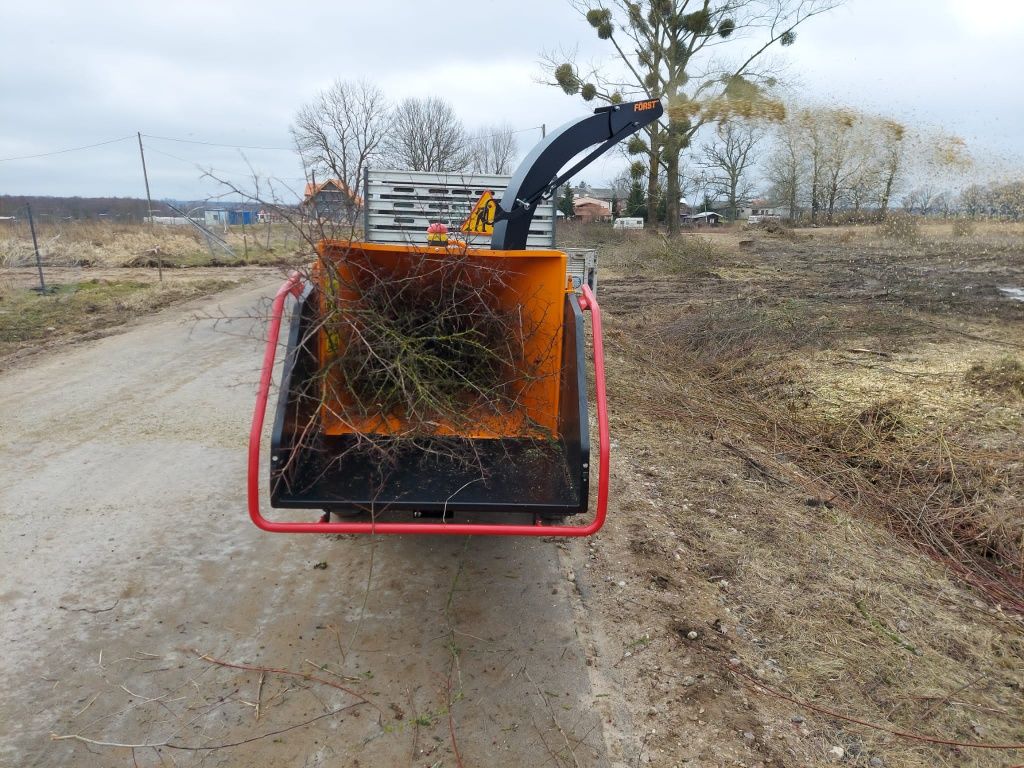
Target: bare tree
786,166
975,199
830,158
427,135
919,199
342,131
893,135
1007,199
838,133
864,183
854,158
728,159
621,184
815,141
493,149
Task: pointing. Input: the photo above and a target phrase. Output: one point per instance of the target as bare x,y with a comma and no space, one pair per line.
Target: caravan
628,222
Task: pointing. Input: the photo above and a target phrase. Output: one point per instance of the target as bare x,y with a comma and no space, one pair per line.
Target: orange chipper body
535,281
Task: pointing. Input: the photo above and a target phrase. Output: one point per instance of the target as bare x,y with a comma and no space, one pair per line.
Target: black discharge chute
540,173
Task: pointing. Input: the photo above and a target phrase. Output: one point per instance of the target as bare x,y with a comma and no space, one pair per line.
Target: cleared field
820,484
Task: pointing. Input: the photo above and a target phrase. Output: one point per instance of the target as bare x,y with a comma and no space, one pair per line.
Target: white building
760,210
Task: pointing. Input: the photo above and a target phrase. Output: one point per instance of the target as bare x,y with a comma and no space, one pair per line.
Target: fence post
35,244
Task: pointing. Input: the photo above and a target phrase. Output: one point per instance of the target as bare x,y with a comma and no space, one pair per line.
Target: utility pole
149,202
35,244
543,130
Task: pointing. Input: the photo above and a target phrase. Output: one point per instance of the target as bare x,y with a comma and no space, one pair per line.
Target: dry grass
809,433
813,597
726,331
806,592
932,482
900,227
1003,376
108,244
963,228
646,251
687,254
74,310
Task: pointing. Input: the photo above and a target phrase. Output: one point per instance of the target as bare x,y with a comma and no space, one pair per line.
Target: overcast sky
73,74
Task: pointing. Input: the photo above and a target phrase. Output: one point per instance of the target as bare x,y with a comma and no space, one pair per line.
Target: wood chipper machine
441,388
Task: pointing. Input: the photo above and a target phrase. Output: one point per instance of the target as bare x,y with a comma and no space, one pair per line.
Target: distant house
703,219
604,194
332,200
591,209
228,217
599,193
762,210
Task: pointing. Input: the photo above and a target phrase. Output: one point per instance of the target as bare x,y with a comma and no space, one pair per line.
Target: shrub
1005,375
655,253
963,228
904,227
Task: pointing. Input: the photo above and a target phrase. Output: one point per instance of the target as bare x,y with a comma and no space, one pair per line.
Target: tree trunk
672,188
734,183
815,200
652,177
888,191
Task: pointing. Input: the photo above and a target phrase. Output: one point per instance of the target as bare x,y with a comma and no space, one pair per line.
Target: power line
191,141
288,149
216,144
173,157
63,151
200,166
502,133
519,130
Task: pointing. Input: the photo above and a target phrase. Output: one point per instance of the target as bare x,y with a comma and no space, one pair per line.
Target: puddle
1016,294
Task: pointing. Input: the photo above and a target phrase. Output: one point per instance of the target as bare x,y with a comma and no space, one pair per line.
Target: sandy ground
127,553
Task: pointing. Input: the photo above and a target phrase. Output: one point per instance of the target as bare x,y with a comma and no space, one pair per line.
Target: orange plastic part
536,283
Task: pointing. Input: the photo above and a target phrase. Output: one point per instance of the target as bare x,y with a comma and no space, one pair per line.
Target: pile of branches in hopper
424,349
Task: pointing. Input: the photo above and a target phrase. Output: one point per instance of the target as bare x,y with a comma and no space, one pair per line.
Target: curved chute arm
539,175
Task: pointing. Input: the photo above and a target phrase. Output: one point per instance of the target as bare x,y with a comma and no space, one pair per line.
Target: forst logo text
643,106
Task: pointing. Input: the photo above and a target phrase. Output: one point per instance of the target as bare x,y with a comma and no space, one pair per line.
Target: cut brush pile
418,351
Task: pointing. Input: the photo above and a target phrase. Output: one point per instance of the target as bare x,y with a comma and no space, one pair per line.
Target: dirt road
130,565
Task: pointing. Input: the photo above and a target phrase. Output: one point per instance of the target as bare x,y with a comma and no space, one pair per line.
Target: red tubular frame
293,287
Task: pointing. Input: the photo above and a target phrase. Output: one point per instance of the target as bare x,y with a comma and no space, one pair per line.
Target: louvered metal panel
399,205
582,267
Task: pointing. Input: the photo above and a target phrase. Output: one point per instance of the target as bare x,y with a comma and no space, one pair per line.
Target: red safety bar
293,286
